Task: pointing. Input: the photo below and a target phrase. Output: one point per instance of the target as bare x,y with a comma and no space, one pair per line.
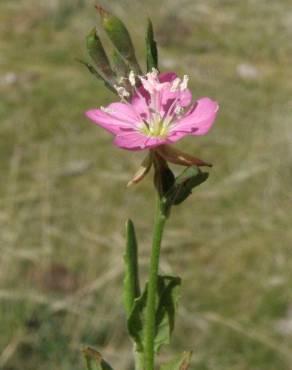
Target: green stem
139,360
159,223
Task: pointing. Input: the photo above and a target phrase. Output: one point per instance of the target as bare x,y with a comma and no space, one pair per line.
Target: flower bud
163,176
98,55
119,36
119,65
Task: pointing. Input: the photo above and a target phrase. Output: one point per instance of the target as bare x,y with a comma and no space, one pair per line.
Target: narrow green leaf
94,360
136,320
98,55
151,48
120,67
131,281
120,37
97,75
168,292
190,178
181,362
167,296
186,188
187,174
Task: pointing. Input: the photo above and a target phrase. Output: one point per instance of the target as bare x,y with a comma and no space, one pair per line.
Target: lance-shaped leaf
176,156
181,362
97,75
168,293
167,296
143,169
120,67
151,48
131,281
136,321
119,36
184,184
98,55
94,360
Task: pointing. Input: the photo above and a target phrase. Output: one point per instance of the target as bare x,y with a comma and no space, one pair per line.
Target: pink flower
160,111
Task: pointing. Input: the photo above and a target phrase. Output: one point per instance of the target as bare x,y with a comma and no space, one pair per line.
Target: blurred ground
63,197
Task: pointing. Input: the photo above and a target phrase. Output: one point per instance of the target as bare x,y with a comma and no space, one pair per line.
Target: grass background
63,197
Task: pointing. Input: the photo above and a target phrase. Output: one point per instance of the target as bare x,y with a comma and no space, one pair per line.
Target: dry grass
63,197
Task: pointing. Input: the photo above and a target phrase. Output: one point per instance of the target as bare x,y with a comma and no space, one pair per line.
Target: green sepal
190,178
97,75
120,37
94,360
167,297
151,48
98,55
131,280
181,362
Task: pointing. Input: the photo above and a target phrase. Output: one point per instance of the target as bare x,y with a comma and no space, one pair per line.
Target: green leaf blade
98,55
151,48
136,321
131,280
167,297
120,37
190,178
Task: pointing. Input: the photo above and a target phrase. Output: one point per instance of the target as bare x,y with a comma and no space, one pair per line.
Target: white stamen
132,79
153,74
178,110
175,85
123,93
184,83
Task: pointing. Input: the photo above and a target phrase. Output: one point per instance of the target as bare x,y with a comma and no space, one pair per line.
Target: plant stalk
159,222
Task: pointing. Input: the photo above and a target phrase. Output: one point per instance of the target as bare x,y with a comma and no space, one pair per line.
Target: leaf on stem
98,55
119,36
131,280
167,297
119,65
151,48
97,75
190,178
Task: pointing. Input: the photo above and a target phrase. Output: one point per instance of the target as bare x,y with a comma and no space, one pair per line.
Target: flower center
154,128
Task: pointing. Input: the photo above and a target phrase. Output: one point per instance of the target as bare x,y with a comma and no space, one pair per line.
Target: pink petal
124,112
167,77
197,121
168,97
163,77
117,117
140,106
137,141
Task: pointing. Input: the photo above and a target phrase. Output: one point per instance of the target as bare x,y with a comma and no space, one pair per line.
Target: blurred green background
63,197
